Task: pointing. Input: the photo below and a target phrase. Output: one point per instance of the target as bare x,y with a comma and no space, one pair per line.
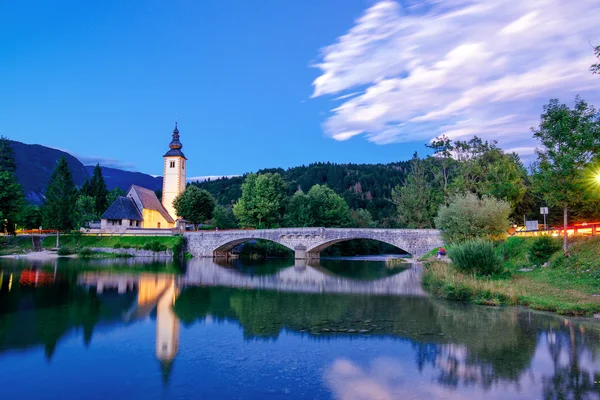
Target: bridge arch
224,249
315,251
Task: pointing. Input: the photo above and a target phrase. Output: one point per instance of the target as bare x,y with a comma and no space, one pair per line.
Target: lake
276,329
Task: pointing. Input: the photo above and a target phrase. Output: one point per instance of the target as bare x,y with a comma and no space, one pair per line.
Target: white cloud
458,67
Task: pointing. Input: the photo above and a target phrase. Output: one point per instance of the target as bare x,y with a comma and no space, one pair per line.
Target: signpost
544,212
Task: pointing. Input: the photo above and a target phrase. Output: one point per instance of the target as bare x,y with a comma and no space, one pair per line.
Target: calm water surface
337,329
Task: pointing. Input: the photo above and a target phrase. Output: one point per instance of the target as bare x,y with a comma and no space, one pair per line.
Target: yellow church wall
152,219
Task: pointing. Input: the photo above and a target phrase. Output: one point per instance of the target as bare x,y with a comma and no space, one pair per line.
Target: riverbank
568,286
92,246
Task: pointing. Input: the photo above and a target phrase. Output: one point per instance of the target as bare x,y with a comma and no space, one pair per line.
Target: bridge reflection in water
303,277
159,291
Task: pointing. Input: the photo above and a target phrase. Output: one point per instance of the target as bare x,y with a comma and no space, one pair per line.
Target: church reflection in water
154,292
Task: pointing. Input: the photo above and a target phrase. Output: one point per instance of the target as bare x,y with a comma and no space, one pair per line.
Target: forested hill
367,186
35,164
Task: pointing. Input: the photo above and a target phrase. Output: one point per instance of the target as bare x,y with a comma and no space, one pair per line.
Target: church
140,208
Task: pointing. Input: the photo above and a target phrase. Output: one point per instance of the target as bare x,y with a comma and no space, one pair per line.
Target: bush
476,256
85,253
64,251
469,217
117,245
155,246
542,249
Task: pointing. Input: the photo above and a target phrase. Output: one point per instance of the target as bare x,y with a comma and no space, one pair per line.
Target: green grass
566,286
132,242
15,245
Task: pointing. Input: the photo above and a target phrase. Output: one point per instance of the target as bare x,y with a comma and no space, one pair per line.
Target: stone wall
135,252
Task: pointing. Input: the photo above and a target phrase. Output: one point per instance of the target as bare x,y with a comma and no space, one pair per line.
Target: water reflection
344,335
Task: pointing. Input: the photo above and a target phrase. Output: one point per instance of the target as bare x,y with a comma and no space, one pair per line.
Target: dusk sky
272,83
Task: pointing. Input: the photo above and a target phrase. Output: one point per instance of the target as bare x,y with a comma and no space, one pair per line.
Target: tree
11,201
97,190
59,208
413,199
595,68
195,205
298,211
262,201
113,194
7,156
327,208
223,217
85,211
469,217
30,217
362,218
442,154
570,138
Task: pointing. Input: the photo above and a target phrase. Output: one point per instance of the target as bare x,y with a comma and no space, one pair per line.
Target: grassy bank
15,245
154,243
566,285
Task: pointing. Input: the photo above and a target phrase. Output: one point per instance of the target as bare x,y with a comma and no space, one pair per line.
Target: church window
183,165
172,164
120,222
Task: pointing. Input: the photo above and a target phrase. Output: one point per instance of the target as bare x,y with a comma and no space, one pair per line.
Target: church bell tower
174,173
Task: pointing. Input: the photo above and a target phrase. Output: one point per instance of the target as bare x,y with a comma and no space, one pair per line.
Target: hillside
366,186
124,179
35,164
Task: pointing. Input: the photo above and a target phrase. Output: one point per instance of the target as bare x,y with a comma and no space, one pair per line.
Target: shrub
542,249
155,246
85,253
64,251
117,245
476,256
469,217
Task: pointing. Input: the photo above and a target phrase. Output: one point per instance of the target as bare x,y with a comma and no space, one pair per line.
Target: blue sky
270,83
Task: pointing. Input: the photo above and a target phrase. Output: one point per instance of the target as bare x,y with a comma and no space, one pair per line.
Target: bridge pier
300,253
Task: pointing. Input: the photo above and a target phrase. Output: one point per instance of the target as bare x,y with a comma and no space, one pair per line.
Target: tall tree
11,201
298,212
97,190
442,155
570,139
85,211
327,208
61,195
262,201
413,199
195,205
7,156
595,68
113,194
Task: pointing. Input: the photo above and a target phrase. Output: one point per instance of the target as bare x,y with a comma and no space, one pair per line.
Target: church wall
108,226
152,218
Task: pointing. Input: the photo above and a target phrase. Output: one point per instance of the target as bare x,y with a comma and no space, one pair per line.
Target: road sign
544,210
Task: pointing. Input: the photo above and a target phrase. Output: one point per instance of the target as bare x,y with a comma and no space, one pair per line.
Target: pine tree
61,195
12,199
98,191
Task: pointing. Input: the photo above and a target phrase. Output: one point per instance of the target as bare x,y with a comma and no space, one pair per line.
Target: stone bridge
309,242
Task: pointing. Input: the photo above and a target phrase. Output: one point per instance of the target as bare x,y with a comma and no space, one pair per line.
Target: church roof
123,208
175,145
150,201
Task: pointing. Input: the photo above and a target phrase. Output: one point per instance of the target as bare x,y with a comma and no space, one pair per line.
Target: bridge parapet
309,242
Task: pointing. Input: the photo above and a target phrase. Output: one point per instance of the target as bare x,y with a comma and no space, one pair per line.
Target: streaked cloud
106,162
458,67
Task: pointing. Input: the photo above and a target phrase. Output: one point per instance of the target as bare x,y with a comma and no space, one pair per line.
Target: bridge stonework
309,242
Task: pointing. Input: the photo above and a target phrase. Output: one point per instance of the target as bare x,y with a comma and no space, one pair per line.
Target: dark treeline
362,186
